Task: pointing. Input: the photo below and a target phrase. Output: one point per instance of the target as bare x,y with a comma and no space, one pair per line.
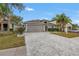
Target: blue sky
49,10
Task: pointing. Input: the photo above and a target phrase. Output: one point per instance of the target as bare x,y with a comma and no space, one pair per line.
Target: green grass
68,35
10,40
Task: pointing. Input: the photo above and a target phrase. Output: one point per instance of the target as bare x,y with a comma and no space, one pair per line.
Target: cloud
76,21
29,9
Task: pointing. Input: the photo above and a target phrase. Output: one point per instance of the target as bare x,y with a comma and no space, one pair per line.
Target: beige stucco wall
53,22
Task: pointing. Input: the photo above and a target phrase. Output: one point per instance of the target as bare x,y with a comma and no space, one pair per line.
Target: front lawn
10,40
68,35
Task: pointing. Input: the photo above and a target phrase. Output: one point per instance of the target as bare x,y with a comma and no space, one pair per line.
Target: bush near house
20,30
53,29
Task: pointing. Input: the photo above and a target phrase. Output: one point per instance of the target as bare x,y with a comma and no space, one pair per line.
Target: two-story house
5,24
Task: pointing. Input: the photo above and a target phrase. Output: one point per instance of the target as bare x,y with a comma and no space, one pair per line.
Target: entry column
1,26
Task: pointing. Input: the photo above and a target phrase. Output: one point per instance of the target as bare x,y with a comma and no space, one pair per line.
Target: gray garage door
35,28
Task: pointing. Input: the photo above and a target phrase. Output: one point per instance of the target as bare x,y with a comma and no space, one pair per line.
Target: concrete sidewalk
18,51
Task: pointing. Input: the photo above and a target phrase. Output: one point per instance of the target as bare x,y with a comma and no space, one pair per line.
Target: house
38,25
6,24
41,25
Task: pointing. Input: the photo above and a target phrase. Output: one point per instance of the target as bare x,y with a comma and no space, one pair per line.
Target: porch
4,27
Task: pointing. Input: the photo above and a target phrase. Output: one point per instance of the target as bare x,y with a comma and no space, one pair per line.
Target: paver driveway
46,44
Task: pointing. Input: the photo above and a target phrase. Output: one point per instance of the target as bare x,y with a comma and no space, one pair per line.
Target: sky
49,10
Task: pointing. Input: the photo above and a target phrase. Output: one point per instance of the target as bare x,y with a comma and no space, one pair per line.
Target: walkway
19,51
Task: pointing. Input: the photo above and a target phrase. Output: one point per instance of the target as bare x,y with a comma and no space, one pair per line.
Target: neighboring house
6,25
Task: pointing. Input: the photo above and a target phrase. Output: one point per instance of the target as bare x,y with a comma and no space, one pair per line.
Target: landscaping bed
10,40
68,35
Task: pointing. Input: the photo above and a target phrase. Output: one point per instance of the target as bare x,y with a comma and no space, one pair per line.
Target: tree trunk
66,30
61,27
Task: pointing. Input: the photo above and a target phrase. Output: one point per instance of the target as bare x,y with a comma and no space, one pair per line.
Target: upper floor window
5,19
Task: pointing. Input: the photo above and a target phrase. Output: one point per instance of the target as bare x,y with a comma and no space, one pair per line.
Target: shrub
53,29
11,30
20,30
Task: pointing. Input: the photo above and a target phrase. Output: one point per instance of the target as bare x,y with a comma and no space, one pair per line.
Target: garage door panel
35,28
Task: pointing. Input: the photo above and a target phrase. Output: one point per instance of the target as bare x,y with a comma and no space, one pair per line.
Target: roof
37,20
35,23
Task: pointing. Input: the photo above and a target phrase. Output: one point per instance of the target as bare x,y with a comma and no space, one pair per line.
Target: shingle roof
36,23
37,20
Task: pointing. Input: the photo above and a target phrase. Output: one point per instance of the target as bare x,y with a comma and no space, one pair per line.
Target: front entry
5,27
46,28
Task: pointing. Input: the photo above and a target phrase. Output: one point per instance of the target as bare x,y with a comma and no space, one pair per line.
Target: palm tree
6,9
16,19
62,20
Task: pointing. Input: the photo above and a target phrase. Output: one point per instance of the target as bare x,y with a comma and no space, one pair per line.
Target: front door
5,27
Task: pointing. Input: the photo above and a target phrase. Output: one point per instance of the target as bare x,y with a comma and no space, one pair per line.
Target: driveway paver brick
47,44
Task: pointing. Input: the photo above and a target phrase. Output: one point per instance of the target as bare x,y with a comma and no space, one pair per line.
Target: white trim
26,27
